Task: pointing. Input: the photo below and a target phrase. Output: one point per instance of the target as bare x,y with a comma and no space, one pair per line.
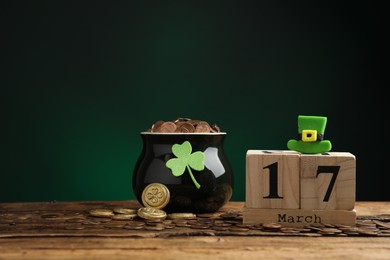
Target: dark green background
80,80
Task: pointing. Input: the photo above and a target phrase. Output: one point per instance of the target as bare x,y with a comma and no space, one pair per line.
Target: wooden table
41,231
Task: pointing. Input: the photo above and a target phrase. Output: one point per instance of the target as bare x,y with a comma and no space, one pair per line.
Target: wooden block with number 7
272,179
328,181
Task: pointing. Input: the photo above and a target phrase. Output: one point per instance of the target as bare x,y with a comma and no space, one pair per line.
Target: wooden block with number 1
272,179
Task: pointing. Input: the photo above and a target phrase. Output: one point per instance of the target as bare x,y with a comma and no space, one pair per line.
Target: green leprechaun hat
311,131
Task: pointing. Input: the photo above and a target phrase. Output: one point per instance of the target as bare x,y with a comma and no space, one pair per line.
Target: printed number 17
273,180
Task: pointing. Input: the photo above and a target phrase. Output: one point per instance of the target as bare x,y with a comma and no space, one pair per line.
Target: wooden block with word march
328,181
272,179
298,217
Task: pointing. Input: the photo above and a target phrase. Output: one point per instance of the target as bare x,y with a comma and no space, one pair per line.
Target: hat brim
310,147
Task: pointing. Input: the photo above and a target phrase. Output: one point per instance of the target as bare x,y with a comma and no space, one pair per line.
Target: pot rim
149,133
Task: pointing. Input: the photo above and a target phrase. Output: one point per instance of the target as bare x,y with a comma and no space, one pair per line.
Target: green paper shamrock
186,160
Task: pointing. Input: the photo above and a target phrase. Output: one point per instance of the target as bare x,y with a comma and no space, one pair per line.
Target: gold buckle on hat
309,135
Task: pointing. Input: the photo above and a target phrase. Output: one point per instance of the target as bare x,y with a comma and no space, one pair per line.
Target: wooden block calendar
265,186
297,189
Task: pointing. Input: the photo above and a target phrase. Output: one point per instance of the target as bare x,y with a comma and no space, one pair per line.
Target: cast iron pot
215,180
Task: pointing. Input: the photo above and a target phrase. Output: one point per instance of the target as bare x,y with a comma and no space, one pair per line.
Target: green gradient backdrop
80,81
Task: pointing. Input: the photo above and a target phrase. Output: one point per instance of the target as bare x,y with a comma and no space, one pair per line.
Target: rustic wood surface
25,233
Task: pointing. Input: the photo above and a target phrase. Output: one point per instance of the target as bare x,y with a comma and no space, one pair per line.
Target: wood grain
201,246
196,248
258,179
314,188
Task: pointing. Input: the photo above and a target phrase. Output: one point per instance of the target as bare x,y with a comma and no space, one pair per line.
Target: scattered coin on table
182,216
101,213
125,211
151,213
219,223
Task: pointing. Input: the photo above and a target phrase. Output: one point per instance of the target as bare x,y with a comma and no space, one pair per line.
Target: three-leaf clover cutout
186,159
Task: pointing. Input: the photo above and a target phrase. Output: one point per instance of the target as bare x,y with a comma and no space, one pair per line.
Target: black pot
216,180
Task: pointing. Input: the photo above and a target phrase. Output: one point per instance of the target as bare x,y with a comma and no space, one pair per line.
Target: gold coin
124,216
215,128
103,213
155,195
187,128
152,214
203,127
182,119
272,226
193,122
156,126
167,127
157,227
182,216
238,229
125,211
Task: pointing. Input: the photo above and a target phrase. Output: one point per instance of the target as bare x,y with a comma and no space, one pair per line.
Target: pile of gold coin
146,213
114,214
183,125
152,214
155,197
223,223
